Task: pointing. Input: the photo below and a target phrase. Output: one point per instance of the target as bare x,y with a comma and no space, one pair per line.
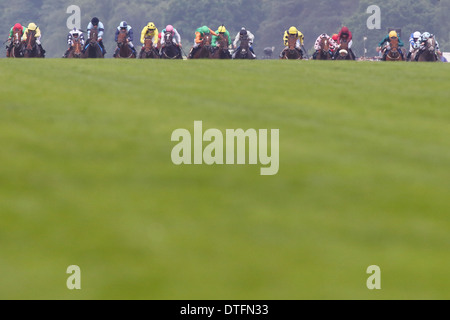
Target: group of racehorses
27,48
92,49
427,53
207,51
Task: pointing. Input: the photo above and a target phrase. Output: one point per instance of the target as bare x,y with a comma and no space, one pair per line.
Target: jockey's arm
251,36
143,33
317,43
198,37
130,35
229,38
89,27
213,33
385,39
155,37
101,31
301,37
236,39
214,41
177,36
285,39
400,43
38,33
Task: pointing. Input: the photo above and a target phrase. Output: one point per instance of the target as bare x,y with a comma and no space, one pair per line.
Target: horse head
17,38
431,45
207,40
148,44
223,42
325,45
94,35
31,40
244,44
168,39
76,45
292,42
122,38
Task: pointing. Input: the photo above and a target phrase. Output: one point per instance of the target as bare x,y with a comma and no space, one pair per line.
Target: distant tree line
267,19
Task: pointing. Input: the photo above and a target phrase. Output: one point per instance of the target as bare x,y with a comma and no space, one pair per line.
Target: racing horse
291,53
93,48
343,51
244,49
124,49
76,50
204,49
428,53
170,49
31,48
221,51
393,53
324,52
17,46
148,50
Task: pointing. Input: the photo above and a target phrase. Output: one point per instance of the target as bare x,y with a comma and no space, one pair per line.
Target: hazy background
266,19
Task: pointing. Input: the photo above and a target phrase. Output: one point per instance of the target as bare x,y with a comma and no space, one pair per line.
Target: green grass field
86,179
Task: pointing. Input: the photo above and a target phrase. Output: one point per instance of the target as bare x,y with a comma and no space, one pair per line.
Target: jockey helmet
75,32
169,28
151,26
426,35
243,32
32,26
335,37
393,34
345,32
123,25
95,21
222,29
18,26
293,30
416,35
205,29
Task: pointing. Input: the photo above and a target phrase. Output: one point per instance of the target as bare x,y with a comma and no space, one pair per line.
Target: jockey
335,38
199,34
33,27
74,35
317,44
413,43
95,22
176,38
221,31
16,27
298,45
345,34
150,30
241,34
124,26
422,42
392,35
